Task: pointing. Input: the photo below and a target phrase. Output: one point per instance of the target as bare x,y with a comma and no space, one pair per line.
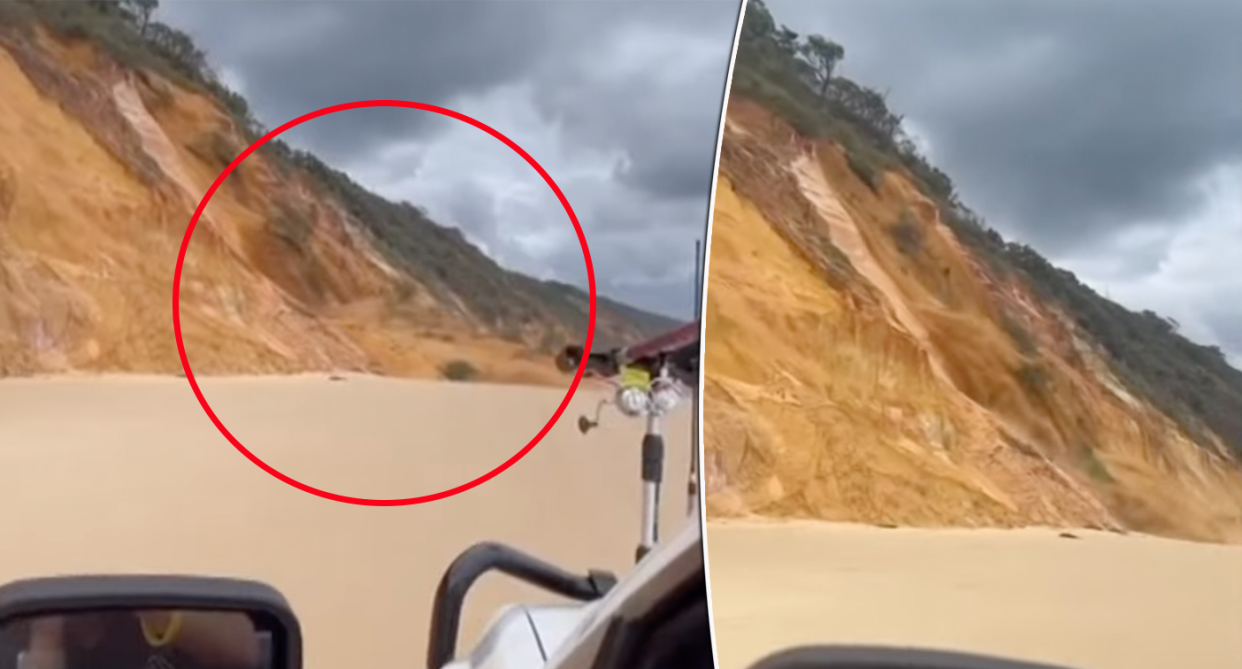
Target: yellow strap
635,377
169,634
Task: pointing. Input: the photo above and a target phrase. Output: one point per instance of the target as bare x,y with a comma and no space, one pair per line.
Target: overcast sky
1107,134
618,101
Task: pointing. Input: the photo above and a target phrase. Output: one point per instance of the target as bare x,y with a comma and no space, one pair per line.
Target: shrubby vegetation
216,150
794,77
459,370
126,31
291,225
907,234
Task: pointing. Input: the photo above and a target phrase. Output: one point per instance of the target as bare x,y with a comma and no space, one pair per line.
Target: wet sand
1103,601
127,474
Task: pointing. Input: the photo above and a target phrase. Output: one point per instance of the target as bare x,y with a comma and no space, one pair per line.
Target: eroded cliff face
861,365
100,170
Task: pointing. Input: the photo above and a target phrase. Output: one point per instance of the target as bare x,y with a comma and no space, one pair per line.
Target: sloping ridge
863,365
293,267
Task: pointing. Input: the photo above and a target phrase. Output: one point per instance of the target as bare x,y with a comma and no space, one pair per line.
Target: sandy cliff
863,365
100,170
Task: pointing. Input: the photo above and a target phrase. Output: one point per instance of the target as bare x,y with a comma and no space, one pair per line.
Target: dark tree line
128,31
797,76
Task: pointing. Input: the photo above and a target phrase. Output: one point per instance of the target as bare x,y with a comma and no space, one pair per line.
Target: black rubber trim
616,645
640,553
266,606
681,640
878,657
482,558
691,590
628,640
653,458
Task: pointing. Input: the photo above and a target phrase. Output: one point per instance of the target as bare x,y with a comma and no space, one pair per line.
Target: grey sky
1107,134
618,101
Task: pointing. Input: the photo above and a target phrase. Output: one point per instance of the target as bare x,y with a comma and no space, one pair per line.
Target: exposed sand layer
126,474
1103,601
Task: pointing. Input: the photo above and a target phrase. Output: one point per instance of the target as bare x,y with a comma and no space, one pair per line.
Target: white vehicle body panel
569,636
521,637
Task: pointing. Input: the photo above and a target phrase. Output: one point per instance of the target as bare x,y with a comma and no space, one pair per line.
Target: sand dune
127,474
1100,602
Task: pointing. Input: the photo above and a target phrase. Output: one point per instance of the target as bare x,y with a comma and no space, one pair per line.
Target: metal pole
692,485
653,475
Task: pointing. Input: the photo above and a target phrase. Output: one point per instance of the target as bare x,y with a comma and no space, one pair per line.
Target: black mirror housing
266,607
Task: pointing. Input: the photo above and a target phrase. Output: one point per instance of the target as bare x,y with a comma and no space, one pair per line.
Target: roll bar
489,556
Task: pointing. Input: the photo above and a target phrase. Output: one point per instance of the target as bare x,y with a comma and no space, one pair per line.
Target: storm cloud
618,101
1106,134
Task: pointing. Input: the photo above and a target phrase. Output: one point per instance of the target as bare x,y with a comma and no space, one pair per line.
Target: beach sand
127,474
1103,601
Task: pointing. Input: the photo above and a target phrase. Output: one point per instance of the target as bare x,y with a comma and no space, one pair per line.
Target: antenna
692,484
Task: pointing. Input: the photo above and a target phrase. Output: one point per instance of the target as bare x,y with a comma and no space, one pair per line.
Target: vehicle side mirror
146,621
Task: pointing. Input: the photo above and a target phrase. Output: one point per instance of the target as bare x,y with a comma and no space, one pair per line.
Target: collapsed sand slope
154,141
127,474
847,237
1101,602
